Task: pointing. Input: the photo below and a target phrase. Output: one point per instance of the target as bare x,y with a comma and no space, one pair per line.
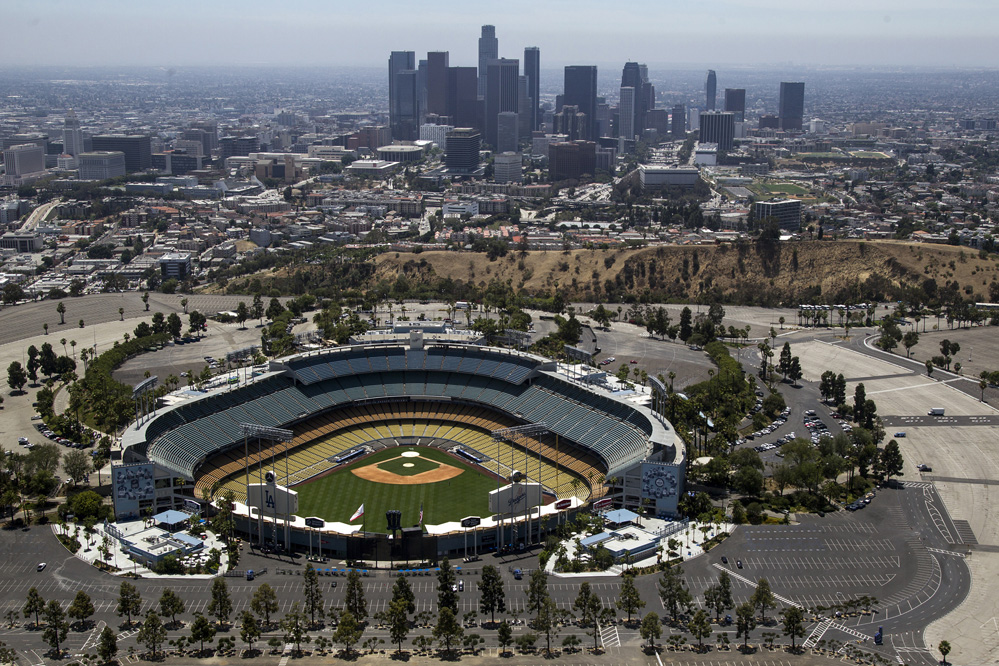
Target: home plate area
407,469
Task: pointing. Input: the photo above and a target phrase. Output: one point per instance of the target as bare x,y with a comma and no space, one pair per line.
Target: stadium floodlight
260,432
140,394
521,433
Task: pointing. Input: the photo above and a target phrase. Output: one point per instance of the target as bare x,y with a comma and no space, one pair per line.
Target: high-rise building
72,135
21,161
407,103
436,133
581,91
399,61
532,72
524,105
437,80
137,149
626,114
678,122
735,101
236,146
571,160
787,212
488,51
711,89
718,127
463,96
211,134
636,76
570,122
792,105
507,168
102,164
463,145
769,121
502,88
421,91
507,131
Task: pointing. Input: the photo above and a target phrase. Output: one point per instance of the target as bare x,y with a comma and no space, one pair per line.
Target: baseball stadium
438,431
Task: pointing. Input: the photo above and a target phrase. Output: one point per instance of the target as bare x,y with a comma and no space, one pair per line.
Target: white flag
357,514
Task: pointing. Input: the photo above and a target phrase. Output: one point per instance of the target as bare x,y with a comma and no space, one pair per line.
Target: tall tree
944,648
673,592
16,376
588,605
745,621
242,314
398,621
202,630
353,599
313,594
548,621
249,629
891,460
446,585
107,645
493,597
33,605
220,606
81,608
264,603
295,625
56,626
402,591
257,311
763,598
793,620
61,309
152,633
171,605
629,600
652,629
686,316
348,632
700,627
129,601
448,630
537,590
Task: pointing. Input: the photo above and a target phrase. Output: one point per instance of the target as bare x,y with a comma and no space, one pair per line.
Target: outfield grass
337,496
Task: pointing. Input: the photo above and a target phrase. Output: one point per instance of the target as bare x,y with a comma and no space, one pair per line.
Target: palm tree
72,343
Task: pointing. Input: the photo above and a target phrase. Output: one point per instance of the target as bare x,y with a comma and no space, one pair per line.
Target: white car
41,566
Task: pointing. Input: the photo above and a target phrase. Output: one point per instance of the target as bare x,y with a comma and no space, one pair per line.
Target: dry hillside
793,272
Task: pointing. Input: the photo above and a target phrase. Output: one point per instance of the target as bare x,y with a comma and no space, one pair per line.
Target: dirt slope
793,272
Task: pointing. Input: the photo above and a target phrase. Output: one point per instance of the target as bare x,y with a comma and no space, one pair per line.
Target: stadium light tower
522,434
262,432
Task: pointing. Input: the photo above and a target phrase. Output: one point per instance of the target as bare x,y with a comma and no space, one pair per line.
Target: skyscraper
488,51
463,96
711,88
437,80
507,131
407,103
678,123
502,87
626,114
532,71
735,101
636,76
462,154
399,61
718,127
792,105
72,135
581,91
137,149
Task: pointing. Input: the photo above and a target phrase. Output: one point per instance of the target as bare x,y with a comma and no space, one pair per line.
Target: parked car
724,559
738,564
900,433
924,468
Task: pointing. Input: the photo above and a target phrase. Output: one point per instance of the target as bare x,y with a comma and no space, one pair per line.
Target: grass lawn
867,155
784,188
337,496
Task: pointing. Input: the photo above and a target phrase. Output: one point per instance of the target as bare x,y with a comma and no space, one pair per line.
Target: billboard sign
663,484
471,521
272,499
604,503
312,521
130,485
562,505
515,498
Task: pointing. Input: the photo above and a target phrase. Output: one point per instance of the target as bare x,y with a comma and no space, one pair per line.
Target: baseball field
402,478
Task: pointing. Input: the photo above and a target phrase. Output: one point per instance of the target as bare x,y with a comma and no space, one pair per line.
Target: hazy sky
661,33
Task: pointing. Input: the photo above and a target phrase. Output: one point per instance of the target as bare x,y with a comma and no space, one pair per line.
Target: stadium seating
322,396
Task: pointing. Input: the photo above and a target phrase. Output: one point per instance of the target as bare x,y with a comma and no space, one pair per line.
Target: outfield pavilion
336,400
